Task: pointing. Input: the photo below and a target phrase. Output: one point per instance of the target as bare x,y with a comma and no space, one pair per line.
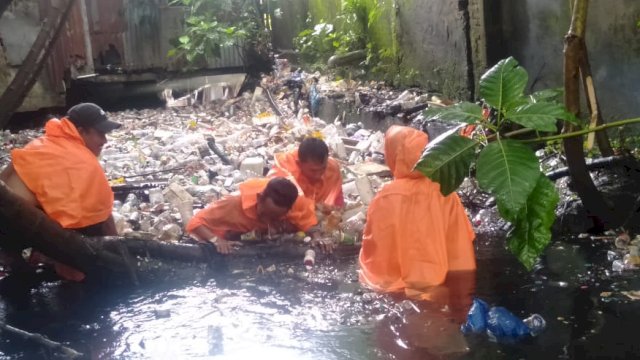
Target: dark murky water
289,313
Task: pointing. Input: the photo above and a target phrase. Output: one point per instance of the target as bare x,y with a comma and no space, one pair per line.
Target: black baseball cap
91,115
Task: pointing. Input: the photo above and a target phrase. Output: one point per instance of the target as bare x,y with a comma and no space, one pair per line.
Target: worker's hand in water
225,246
326,244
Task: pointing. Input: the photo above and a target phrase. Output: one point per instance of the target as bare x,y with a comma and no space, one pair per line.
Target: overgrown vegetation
351,31
211,25
505,167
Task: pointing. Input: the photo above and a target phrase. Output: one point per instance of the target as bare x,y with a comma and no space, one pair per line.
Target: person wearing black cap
92,124
60,174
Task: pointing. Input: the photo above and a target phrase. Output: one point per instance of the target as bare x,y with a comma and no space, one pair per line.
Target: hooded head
403,147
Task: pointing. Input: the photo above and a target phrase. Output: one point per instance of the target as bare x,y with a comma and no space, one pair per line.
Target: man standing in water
60,174
414,235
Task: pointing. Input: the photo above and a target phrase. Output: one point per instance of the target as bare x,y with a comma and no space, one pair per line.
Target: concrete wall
429,36
533,33
434,41
19,27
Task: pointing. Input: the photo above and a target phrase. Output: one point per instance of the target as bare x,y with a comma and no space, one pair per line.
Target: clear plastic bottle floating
309,258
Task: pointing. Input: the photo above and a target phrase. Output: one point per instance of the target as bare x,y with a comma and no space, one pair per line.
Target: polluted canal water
295,307
289,311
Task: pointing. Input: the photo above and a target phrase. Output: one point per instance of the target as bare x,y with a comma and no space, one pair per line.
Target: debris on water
271,268
622,241
612,255
632,294
216,340
499,323
617,265
561,284
162,313
535,323
309,258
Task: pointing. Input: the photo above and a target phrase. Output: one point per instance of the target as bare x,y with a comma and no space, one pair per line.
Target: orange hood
403,147
63,128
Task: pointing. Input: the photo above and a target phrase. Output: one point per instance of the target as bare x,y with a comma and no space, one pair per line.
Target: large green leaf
532,231
541,116
555,94
502,86
508,170
465,112
446,160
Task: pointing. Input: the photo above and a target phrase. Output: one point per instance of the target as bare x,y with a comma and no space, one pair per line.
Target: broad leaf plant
505,167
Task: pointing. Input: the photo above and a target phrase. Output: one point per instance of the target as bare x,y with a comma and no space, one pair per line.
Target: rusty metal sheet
69,49
107,25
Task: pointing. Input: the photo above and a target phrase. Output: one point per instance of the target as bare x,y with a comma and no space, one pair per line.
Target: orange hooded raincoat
65,176
414,235
238,212
66,179
328,191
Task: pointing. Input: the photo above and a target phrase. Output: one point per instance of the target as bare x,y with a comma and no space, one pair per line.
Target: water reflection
424,329
236,312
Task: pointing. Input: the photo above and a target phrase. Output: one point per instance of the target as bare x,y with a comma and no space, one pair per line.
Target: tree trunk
581,180
27,226
33,63
592,100
4,4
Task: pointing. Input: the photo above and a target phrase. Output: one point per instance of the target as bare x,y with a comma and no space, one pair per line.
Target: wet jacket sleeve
302,215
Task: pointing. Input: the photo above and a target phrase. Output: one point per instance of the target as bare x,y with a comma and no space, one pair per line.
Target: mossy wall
424,39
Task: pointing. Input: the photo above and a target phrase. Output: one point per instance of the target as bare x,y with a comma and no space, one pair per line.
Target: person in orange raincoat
60,173
313,171
318,179
413,235
260,205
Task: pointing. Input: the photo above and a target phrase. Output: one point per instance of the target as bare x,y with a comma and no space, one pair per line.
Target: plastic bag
499,323
477,318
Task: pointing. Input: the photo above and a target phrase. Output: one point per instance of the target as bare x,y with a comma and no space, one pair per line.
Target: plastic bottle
309,258
536,324
155,196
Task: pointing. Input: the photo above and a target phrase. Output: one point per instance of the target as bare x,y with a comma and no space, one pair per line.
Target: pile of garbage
164,163
626,254
197,155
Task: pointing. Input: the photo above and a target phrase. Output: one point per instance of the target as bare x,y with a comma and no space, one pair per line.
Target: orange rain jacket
328,191
66,179
65,176
414,235
238,212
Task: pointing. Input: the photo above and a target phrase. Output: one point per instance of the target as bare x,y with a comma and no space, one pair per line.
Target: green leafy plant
505,167
316,45
212,25
348,32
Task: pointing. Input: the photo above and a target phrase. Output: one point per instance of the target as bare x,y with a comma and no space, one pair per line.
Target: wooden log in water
26,226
